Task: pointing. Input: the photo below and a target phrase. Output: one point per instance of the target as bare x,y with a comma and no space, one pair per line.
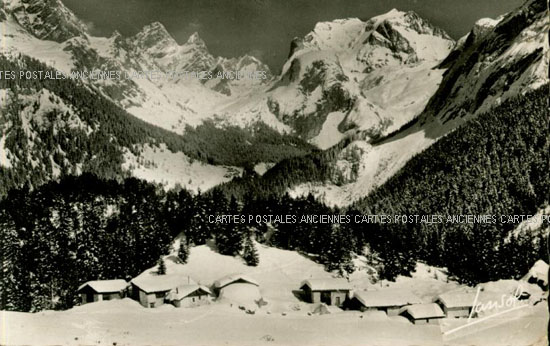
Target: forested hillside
318,166
62,234
497,164
74,129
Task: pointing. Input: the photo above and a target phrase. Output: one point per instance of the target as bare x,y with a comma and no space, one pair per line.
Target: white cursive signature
510,302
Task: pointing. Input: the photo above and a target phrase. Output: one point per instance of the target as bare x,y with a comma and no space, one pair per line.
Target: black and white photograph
274,172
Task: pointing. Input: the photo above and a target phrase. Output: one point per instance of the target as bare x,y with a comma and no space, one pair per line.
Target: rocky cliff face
154,42
45,19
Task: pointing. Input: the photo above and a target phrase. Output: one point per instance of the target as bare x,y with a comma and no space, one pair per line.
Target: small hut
538,274
99,290
190,295
456,304
329,291
238,288
389,300
152,291
429,313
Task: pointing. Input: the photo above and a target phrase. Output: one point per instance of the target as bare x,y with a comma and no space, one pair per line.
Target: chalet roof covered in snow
161,283
421,311
539,271
234,278
105,286
386,298
183,291
457,299
327,284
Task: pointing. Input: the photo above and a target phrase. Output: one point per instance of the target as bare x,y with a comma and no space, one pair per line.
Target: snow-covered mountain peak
333,35
195,39
242,62
45,19
484,26
116,37
395,37
155,27
399,37
391,14
156,39
422,26
116,34
163,50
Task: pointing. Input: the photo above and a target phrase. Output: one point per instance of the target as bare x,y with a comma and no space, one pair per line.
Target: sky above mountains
265,28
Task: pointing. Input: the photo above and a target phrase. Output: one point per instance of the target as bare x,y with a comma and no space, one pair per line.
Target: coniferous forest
102,224
497,164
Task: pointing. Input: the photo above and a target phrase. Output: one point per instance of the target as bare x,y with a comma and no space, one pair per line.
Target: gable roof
457,299
181,292
332,284
420,311
386,298
229,279
105,286
161,283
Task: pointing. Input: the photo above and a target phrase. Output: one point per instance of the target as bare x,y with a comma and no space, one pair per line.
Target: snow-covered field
283,321
160,165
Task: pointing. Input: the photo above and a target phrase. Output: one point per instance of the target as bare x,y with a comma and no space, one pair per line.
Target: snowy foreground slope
155,164
284,320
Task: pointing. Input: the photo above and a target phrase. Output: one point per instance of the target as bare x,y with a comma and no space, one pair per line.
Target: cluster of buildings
393,302
154,291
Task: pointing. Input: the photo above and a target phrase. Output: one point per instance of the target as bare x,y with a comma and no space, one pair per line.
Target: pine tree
183,252
229,237
250,254
162,267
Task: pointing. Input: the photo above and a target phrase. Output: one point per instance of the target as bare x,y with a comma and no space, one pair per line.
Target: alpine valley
345,87
104,178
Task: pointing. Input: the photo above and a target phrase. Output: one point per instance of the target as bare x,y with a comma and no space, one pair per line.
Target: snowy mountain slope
63,128
163,166
256,74
359,69
377,164
160,81
498,59
44,118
